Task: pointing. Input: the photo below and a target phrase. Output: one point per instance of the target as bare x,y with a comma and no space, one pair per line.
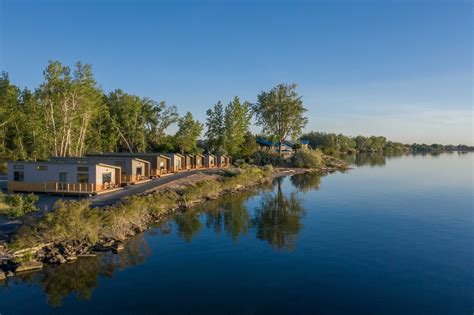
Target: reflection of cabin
189,161
177,162
134,170
69,177
223,161
210,161
160,164
199,161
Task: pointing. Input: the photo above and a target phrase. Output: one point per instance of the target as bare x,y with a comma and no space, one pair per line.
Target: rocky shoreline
34,258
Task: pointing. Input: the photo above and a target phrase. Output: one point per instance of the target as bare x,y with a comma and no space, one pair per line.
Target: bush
307,158
17,205
266,158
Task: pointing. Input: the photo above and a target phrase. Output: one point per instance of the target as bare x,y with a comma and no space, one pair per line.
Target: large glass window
83,178
18,176
83,169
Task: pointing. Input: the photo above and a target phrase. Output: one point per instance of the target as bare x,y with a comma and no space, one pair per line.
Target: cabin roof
88,158
88,163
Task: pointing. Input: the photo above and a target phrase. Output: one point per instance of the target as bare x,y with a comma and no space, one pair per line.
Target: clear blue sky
402,69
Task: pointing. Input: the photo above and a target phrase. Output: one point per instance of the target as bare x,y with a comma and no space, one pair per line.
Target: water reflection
365,159
277,219
306,182
82,277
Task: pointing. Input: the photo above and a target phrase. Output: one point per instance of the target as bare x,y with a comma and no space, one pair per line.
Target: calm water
392,236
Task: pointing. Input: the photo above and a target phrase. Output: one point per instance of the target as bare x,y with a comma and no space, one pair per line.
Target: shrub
17,205
307,158
266,158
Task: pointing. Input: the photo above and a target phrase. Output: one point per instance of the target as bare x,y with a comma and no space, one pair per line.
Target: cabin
223,161
70,177
199,161
177,162
210,161
134,170
288,148
160,164
189,161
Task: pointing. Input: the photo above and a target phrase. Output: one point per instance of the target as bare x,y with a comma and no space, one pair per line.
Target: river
394,235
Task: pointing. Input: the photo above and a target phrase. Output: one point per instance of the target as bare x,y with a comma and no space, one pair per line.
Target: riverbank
74,229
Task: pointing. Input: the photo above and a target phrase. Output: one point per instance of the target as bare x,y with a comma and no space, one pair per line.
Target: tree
188,132
236,125
215,127
129,117
165,116
280,113
9,104
69,104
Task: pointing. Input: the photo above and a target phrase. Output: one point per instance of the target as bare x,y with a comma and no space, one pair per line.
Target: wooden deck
60,188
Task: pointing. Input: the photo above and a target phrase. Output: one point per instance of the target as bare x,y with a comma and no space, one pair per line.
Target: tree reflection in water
366,159
277,220
82,277
306,182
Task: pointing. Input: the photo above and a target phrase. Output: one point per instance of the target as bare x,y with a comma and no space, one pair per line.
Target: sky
397,68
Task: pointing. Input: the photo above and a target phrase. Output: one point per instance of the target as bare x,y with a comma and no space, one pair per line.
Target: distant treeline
332,143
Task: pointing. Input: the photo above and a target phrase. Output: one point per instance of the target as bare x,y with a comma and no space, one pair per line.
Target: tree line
68,114
332,143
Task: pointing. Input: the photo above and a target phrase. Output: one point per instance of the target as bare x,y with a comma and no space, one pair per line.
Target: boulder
10,274
118,246
29,265
2,276
71,258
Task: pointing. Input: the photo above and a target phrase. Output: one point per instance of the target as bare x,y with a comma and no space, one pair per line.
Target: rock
29,265
61,259
118,246
71,258
2,276
10,274
86,255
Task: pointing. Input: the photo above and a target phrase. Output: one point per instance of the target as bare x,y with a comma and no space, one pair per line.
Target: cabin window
42,168
178,162
63,177
18,176
139,171
106,178
83,178
83,169
162,165
18,167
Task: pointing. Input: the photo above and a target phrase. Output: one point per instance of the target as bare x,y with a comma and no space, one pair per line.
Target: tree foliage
188,133
280,112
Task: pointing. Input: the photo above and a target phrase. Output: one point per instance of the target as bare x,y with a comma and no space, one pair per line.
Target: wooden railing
160,172
133,178
56,187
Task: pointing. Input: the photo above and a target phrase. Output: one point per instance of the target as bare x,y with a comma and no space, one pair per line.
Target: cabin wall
51,174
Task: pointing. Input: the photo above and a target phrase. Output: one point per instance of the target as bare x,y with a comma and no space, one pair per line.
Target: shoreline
178,197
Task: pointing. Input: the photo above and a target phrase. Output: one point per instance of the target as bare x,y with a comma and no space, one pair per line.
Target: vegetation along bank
75,229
